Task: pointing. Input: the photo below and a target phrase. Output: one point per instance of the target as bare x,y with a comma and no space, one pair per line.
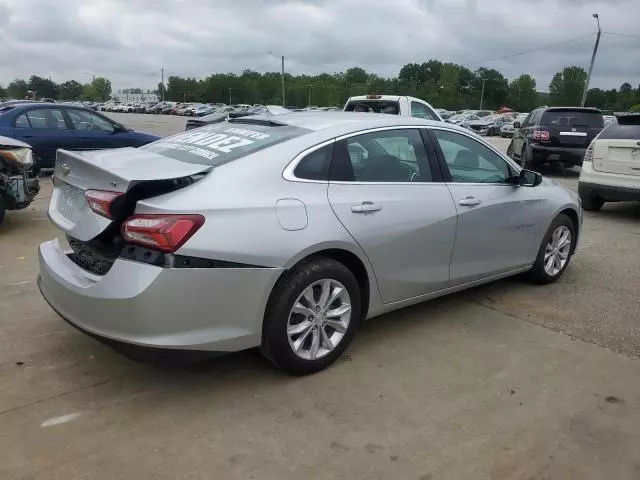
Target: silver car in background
286,232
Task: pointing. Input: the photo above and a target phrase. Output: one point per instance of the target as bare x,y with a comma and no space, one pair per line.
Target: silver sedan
286,232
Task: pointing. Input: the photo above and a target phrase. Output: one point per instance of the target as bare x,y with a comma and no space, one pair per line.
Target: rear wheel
527,160
555,252
311,317
591,202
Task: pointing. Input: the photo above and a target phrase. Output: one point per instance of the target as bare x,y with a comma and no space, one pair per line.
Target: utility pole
230,94
162,82
593,59
283,80
309,100
482,94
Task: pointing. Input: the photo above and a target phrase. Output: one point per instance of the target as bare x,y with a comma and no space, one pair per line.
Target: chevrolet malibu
286,233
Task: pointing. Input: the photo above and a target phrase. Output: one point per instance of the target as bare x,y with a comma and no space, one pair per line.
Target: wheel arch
575,219
355,261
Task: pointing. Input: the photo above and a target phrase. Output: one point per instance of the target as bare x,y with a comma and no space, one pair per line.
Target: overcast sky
129,41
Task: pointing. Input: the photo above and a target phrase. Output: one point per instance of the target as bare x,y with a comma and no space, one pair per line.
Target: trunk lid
116,170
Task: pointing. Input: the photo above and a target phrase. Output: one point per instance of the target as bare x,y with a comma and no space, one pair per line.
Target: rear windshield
625,127
222,142
373,106
571,118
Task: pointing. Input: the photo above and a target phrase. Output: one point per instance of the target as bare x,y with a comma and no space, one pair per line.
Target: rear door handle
469,202
366,207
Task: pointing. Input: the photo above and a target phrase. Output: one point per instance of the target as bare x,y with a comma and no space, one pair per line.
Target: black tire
591,202
275,342
527,160
510,150
538,274
2,210
491,132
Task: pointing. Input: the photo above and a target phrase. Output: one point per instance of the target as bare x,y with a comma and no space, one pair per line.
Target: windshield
572,118
222,142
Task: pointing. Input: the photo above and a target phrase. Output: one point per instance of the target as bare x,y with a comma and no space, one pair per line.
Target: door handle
366,207
469,202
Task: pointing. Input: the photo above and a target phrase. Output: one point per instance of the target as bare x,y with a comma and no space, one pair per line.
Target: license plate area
71,203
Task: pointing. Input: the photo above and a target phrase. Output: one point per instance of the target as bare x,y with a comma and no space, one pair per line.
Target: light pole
93,79
230,89
282,73
309,99
484,80
162,82
593,59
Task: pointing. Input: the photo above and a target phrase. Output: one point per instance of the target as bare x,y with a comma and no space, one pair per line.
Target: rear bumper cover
609,193
209,309
572,154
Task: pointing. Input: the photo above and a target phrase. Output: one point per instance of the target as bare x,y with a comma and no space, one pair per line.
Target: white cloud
129,41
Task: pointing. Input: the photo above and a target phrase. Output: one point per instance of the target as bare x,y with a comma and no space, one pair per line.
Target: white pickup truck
392,104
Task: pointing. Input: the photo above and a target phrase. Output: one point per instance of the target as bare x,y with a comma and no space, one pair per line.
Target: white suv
611,166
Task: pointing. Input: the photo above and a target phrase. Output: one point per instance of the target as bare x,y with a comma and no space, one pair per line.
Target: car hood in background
12,142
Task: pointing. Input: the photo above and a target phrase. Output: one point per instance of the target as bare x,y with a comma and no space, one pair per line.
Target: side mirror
516,125
117,128
530,178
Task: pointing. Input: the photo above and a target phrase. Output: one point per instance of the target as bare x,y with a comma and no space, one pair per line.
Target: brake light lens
541,135
374,97
588,155
101,201
165,233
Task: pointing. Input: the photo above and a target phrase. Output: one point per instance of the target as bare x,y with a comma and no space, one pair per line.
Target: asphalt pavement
505,381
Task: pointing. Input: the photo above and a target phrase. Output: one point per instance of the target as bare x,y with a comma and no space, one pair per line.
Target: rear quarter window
223,142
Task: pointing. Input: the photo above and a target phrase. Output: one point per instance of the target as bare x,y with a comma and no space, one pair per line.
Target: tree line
444,85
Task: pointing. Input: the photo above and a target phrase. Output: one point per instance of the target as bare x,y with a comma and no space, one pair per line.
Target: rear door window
50,118
624,128
571,118
222,142
22,121
315,166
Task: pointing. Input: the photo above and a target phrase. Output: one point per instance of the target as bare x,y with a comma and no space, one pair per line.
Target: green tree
3,92
71,90
522,95
496,87
597,98
43,87
100,89
567,86
626,97
18,89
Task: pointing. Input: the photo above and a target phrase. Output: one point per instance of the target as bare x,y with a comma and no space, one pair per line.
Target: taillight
101,201
166,233
541,135
588,155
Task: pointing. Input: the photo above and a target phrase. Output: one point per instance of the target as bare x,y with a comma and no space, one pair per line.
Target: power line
524,52
622,34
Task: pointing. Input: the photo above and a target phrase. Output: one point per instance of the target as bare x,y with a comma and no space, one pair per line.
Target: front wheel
555,252
311,317
491,132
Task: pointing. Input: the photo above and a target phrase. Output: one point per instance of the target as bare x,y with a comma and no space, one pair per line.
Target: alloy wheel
556,254
319,319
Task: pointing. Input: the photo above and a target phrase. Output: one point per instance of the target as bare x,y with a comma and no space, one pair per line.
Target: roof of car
576,109
320,120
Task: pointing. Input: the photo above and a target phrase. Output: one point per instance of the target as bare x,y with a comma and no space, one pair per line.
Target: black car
555,134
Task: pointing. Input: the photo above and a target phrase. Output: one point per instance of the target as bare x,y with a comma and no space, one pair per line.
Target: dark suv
555,134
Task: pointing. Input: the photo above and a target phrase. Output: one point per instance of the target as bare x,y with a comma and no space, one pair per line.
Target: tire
2,210
527,160
277,344
510,150
491,132
591,203
541,275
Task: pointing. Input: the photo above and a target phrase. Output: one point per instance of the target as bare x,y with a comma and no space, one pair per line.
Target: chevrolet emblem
66,169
